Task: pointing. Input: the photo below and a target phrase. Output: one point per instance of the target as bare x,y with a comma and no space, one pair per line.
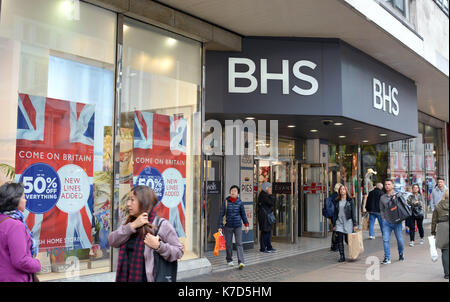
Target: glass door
213,196
283,175
313,186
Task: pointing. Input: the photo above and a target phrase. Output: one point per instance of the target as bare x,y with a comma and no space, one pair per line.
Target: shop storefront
338,110
94,103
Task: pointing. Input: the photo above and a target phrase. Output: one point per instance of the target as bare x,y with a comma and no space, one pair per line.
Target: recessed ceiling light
365,141
291,126
314,130
338,124
383,134
249,118
342,136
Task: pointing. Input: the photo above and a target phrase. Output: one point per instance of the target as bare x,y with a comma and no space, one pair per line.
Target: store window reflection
56,91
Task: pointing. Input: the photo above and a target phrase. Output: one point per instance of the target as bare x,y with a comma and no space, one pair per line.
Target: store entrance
283,177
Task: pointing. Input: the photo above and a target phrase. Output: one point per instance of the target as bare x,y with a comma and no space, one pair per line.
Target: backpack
399,209
328,208
165,271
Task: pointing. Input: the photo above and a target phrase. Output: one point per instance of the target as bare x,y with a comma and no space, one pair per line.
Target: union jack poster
160,162
54,161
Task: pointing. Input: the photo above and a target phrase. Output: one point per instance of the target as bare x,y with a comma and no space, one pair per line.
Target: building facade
103,95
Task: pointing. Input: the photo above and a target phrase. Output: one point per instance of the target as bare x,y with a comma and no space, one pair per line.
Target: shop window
56,91
160,126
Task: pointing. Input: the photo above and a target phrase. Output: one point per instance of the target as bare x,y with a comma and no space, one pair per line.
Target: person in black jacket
344,221
265,206
234,212
372,205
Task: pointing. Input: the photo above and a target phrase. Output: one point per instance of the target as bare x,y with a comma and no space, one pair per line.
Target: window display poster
54,161
160,162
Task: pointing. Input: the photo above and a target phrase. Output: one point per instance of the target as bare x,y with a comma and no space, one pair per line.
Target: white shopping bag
433,250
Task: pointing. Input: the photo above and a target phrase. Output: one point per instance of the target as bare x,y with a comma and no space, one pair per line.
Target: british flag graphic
57,134
160,162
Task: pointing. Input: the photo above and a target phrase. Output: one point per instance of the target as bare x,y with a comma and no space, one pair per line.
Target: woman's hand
334,228
152,241
246,229
140,221
220,231
355,228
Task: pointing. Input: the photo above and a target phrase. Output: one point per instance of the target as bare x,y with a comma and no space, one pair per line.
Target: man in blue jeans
372,205
389,225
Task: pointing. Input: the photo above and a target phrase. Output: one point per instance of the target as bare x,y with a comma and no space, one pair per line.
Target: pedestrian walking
389,225
328,212
344,219
439,228
137,242
17,246
417,203
372,205
437,193
234,213
266,202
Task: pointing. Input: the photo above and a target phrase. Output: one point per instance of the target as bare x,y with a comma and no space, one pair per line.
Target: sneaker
421,241
230,263
371,237
411,243
446,277
386,261
241,265
272,251
401,258
266,252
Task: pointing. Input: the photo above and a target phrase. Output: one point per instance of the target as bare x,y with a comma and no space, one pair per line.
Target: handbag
399,209
165,271
271,218
418,211
365,222
220,243
433,250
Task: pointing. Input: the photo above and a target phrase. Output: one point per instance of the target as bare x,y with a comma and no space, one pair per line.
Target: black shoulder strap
158,221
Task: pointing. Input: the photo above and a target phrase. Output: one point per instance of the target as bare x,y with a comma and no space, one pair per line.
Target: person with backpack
372,205
266,202
389,223
417,203
231,216
138,243
344,221
328,212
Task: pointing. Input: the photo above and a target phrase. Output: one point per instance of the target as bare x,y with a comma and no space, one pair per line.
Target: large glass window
160,131
56,90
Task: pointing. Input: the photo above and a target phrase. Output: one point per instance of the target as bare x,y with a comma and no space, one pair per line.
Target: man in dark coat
265,206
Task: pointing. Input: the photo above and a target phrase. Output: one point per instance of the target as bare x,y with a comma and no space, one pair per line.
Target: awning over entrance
303,82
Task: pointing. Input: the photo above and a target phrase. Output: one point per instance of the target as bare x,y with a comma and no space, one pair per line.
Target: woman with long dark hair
17,247
344,222
417,203
137,242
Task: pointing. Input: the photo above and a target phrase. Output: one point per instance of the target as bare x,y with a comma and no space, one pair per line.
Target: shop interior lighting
342,136
291,126
383,134
338,124
365,141
314,130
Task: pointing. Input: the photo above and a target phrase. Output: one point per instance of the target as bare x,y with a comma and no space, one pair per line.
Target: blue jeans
372,218
387,230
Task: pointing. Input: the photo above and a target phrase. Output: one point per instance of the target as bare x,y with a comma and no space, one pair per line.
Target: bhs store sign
265,76
385,97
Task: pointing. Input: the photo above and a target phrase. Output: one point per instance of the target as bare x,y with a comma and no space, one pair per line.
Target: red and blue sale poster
54,161
160,162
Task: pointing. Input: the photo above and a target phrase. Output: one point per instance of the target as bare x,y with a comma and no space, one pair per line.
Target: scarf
18,215
136,263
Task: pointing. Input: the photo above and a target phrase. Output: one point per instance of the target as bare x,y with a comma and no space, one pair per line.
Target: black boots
341,251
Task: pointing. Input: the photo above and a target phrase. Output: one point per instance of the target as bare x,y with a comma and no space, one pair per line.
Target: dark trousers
265,241
412,227
445,261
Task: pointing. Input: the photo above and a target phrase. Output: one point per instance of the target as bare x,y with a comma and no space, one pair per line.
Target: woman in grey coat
439,228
